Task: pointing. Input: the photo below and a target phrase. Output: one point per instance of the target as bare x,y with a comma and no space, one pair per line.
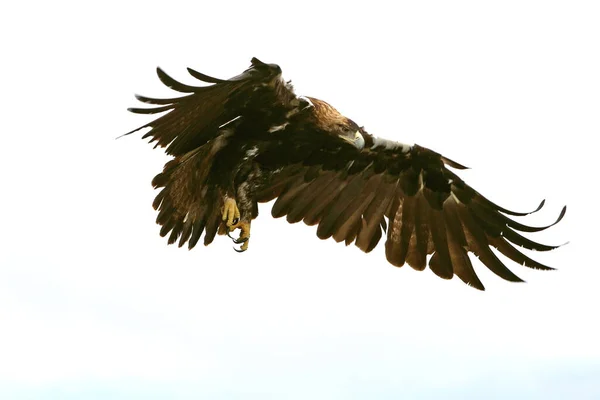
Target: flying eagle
251,139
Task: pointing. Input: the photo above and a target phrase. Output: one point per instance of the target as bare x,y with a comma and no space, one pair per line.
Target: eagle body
251,139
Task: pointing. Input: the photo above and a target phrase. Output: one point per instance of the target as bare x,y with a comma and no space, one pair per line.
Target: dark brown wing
195,118
189,203
354,195
195,129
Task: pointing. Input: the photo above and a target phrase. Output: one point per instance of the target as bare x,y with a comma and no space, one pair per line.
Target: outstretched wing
354,195
195,118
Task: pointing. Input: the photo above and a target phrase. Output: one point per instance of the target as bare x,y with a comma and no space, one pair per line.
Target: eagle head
332,121
352,134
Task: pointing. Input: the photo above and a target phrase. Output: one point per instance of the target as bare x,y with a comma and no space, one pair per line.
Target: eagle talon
240,240
241,250
244,245
244,235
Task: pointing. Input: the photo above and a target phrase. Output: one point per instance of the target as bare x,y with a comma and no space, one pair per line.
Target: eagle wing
194,119
194,131
422,206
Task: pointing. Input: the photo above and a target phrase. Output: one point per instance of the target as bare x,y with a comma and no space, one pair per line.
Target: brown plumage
250,139
328,118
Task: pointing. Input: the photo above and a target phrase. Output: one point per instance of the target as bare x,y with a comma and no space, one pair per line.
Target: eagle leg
231,213
231,218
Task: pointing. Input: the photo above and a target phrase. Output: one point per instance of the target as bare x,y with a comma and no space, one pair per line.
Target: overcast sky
95,305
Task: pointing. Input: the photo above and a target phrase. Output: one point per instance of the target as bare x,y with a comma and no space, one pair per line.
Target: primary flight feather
251,139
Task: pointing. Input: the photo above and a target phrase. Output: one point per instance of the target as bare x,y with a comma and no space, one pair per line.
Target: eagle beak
357,141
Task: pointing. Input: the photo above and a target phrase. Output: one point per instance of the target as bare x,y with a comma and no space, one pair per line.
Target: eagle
251,139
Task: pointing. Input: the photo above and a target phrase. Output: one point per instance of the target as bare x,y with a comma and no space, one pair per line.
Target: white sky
94,304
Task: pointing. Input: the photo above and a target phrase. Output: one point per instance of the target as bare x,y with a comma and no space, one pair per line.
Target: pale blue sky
95,305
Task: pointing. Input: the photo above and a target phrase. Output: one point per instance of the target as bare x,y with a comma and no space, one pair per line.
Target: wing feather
495,218
344,199
154,110
400,232
440,263
278,183
302,203
478,244
525,228
422,245
430,211
348,222
173,84
284,201
203,77
186,231
151,100
212,225
457,246
511,252
195,118
322,201
370,229
197,230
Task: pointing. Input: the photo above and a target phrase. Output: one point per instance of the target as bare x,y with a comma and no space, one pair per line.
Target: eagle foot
230,213
244,237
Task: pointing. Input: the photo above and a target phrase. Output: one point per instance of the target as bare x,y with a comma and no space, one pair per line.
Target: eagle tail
188,205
